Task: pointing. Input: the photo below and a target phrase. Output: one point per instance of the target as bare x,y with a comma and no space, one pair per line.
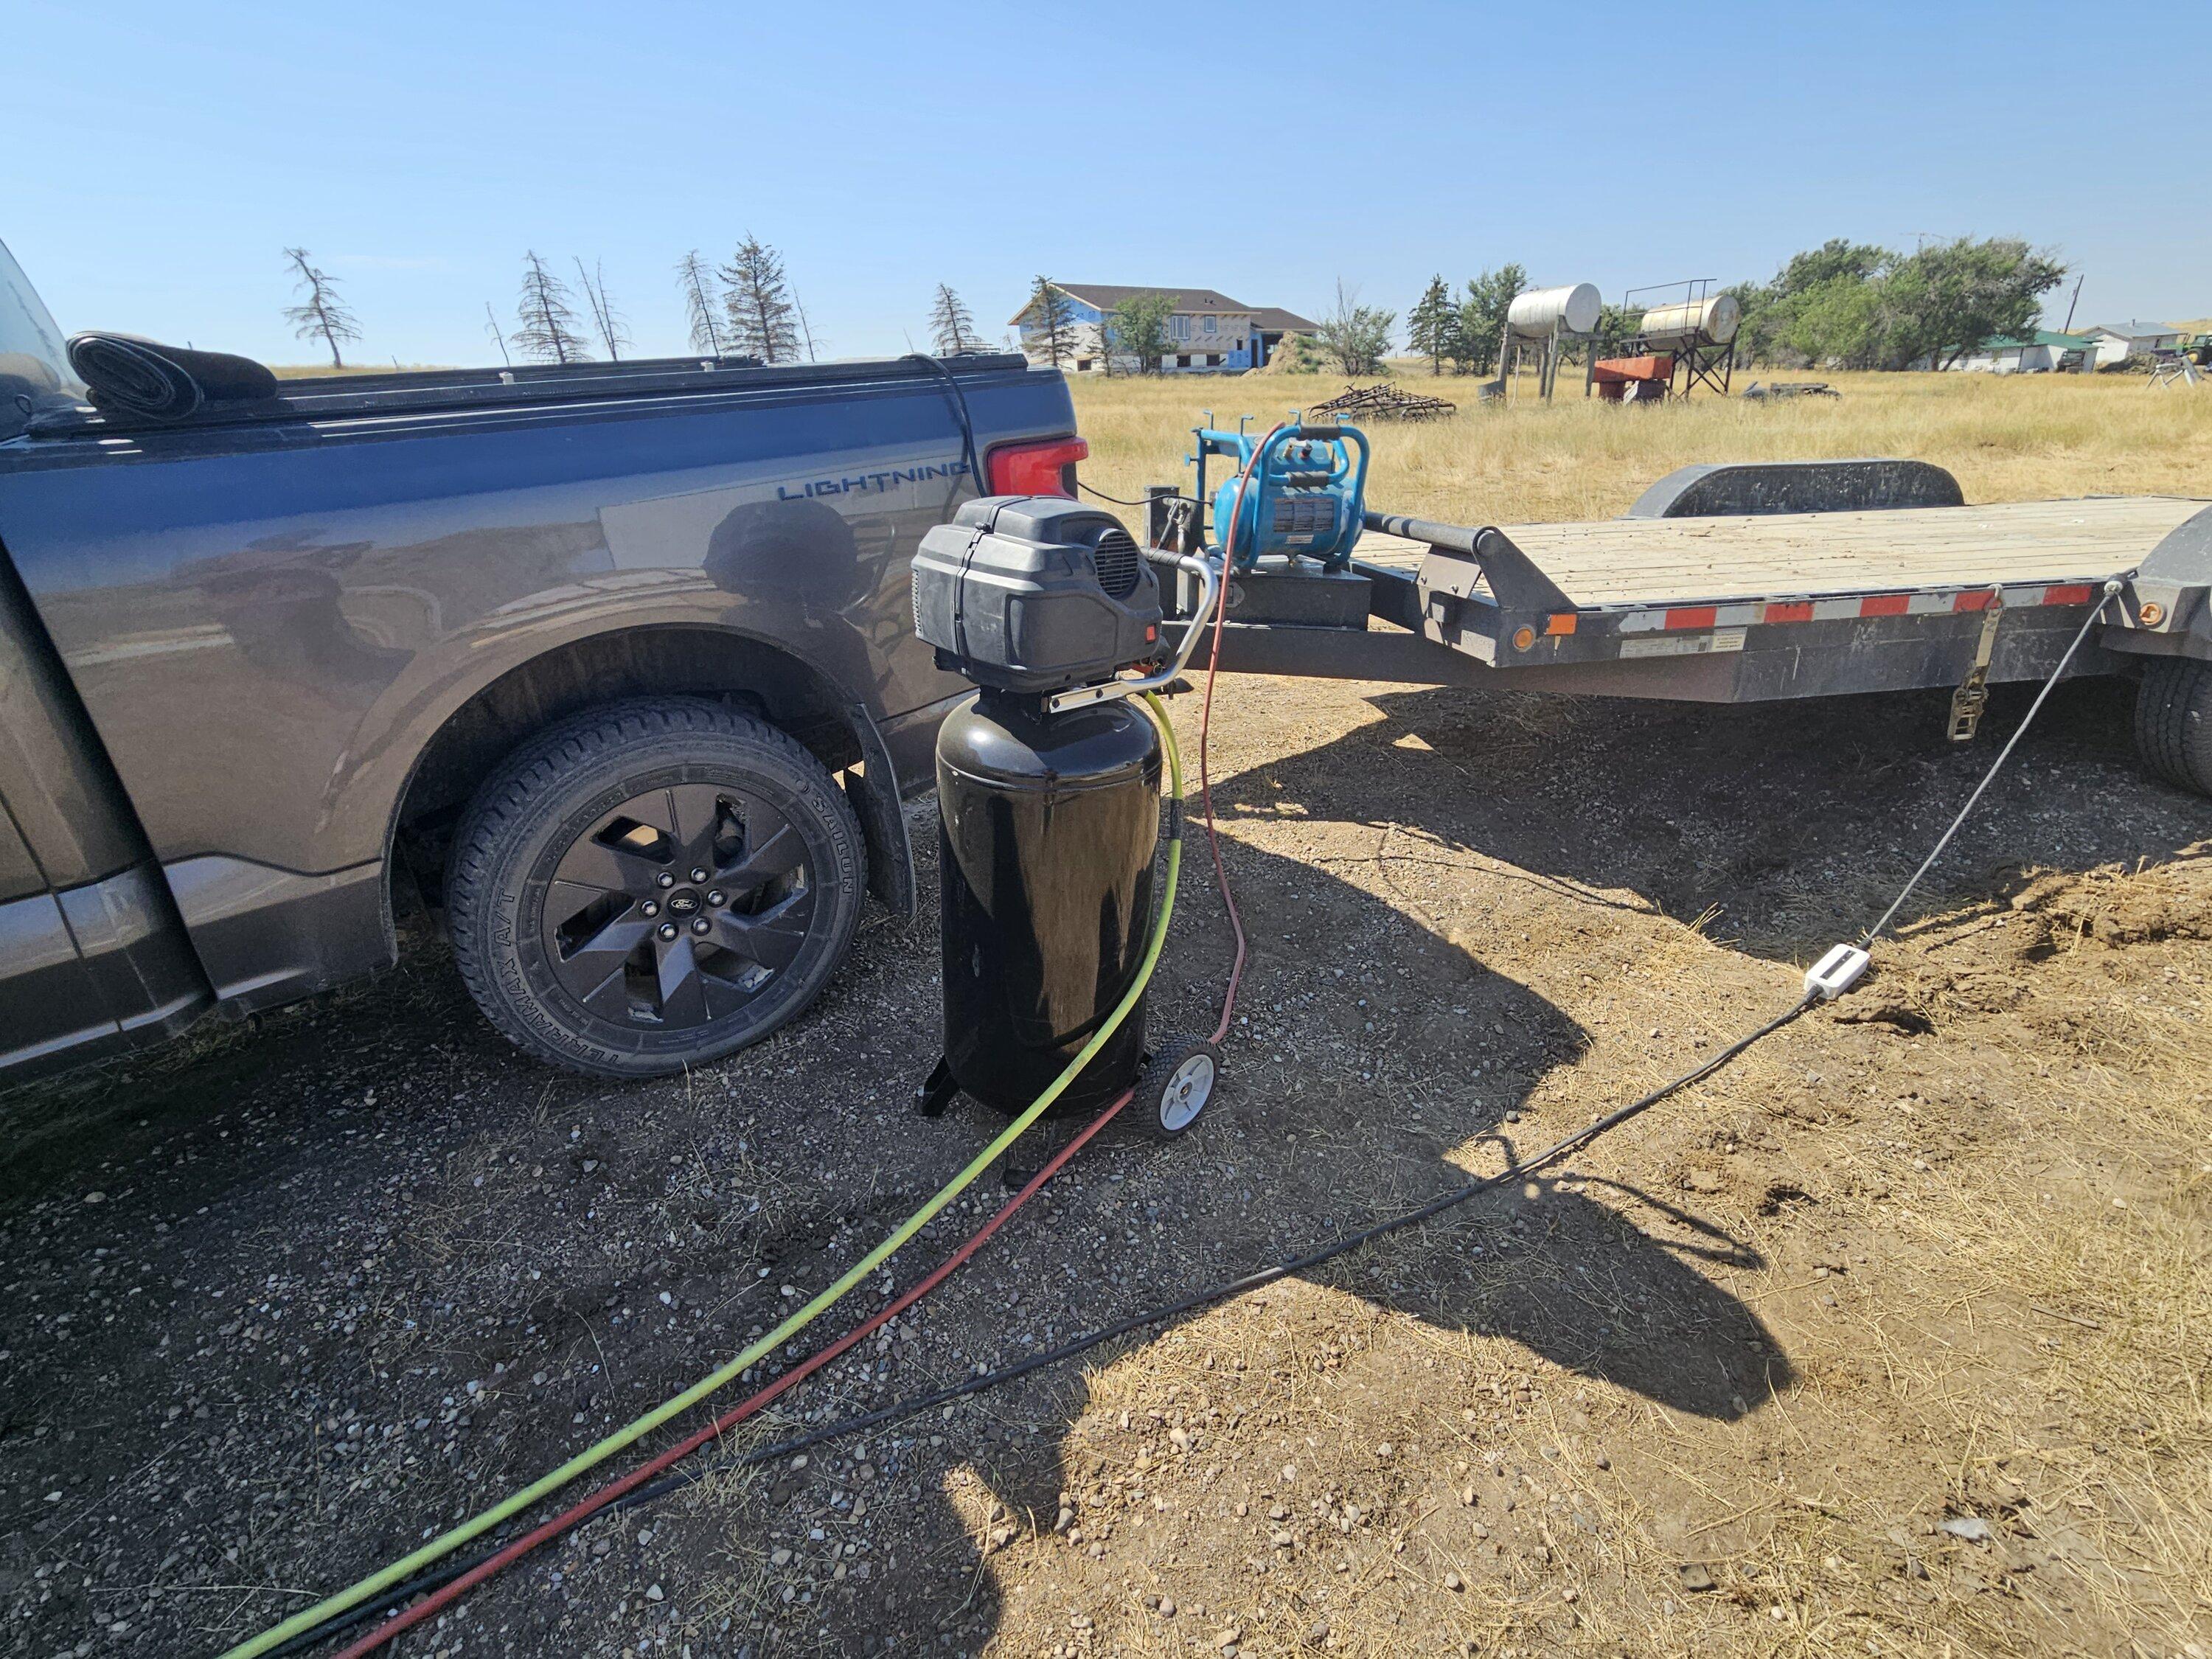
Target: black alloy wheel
653,884
679,908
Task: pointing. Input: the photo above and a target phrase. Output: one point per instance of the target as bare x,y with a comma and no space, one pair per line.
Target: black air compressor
1048,797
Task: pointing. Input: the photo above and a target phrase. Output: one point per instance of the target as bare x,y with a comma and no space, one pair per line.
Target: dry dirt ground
1893,1339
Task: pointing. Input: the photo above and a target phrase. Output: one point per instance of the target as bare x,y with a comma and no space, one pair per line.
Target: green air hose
591,1456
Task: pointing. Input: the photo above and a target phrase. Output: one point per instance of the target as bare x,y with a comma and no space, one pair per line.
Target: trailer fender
1749,488
2166,608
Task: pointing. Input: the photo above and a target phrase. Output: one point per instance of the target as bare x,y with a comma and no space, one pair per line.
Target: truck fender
875,799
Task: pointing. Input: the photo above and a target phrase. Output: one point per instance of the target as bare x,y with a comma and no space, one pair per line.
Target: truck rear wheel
652,885
2174,721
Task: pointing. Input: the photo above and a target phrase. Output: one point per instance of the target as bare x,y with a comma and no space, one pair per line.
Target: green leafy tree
1353,337
1753,301
1838,322
1855,305
546,328
320,314
763,322
1051,322
1620,322
1432,325
1834,259
1140,325
1803,303
1943,301
1482,317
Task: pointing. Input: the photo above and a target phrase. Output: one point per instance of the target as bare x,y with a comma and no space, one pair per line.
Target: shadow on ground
1786,825
334,1214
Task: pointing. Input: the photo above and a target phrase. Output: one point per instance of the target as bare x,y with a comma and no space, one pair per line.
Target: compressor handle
1083,696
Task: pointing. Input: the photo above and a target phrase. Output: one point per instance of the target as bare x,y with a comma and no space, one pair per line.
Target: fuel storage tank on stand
1699,334
1541,320
1536,312
1708,322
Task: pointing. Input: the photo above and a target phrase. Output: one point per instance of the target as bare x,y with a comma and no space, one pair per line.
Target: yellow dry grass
2008,438
315,371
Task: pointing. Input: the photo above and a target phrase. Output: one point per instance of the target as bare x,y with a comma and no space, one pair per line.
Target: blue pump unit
1307,498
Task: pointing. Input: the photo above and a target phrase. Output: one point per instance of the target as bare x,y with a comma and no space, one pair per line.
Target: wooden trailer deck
1704,561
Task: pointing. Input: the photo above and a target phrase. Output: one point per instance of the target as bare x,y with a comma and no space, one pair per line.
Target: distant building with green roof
2045,352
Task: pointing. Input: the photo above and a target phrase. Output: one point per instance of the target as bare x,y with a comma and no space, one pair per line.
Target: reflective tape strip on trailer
1669,619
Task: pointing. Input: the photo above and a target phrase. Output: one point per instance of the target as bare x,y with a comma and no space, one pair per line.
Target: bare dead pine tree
703,303
613,326
321,315
491,327
761,323
805,328
951,329
546,326
1051,322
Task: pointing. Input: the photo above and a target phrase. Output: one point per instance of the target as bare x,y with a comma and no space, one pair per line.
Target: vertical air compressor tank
1048,826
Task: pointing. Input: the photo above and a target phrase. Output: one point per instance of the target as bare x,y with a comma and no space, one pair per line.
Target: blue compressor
1307,498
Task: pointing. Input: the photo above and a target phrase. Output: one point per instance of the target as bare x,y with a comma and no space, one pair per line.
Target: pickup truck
612,664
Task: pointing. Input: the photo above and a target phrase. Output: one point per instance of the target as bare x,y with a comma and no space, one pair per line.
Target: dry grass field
2007,438
1893,1339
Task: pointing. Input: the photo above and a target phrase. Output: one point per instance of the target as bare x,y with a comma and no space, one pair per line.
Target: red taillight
1045,468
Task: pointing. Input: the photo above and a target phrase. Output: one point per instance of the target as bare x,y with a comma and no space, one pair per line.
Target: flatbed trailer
1740,584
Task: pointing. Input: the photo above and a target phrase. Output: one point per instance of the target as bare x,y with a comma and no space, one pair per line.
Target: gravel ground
278,1304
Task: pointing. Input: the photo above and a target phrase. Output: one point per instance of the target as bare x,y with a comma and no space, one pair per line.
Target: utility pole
2071,303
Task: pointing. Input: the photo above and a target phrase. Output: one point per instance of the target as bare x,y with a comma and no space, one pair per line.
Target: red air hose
1206,729
585,1509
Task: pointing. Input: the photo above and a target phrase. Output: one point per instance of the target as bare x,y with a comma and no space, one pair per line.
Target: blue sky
160,157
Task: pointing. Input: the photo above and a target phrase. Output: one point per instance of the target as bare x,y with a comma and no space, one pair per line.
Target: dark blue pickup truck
613,664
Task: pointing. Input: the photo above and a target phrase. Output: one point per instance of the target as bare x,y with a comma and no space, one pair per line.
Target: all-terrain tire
559,804
2174,721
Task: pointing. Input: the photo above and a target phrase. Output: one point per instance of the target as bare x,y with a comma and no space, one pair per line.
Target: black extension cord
913,1406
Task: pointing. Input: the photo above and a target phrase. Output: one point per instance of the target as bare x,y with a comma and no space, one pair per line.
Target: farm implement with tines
1384,402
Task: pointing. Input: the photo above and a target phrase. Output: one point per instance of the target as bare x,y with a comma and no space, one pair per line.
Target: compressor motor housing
1036,594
